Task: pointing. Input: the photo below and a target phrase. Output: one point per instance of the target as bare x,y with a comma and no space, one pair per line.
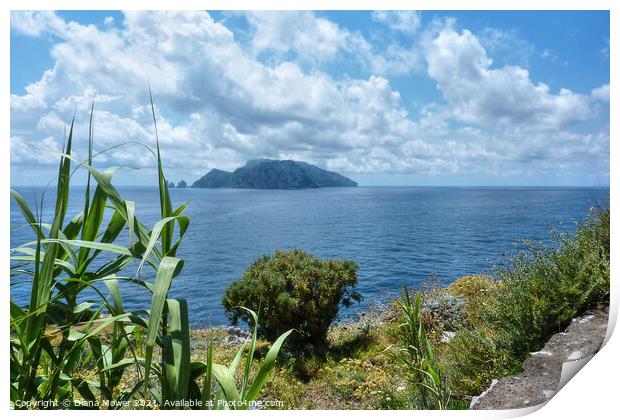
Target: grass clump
416,356
476,291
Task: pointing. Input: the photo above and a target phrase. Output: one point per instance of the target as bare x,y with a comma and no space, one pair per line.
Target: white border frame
591,394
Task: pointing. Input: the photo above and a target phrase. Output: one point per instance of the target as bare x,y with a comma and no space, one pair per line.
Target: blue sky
387,98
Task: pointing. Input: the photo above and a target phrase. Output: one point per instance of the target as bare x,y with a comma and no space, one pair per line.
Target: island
274,174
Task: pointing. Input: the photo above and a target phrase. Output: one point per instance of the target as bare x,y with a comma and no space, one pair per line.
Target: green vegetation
541,290
293,290
537,293
417,358
244,395
551,282
66,351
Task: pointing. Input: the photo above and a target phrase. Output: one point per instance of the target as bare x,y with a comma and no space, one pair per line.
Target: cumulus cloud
34,23
300,31
315,40
601,93
220,102
196,67
507,44
46,151
405,21
482,94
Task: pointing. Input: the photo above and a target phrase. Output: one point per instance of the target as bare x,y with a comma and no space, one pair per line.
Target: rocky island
274,174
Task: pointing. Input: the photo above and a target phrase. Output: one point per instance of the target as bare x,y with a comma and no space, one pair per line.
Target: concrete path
540,379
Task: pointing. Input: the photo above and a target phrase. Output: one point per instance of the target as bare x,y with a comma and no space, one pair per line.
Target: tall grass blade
164,195
176,357
27,213
266,367
90,162
250,357
167,269
227,382
206,393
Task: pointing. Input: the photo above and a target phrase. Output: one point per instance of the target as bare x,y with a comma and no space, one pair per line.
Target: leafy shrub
541,290
472,361
293,289
536,294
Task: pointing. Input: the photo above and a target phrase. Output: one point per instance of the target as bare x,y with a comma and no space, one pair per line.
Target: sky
464,98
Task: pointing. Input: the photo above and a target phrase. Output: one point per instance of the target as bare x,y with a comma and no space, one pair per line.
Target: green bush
541,290
536,294
472,361
293,289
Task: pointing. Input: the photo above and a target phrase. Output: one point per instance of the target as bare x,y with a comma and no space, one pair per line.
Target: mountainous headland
274,174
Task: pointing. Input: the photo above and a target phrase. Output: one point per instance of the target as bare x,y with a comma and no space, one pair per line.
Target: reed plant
426,380
68,350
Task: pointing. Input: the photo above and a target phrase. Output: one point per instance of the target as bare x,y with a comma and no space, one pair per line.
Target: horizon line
363,186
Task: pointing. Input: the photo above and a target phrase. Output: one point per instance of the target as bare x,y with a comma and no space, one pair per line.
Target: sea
396,235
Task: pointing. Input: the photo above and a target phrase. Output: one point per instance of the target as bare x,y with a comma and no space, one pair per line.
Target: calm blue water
395,234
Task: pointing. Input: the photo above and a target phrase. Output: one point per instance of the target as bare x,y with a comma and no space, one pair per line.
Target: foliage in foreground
425,378
536,294
293,290
65,348
541,290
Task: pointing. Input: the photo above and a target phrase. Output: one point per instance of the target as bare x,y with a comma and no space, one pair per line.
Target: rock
237,332
446,311
226,335
447,336
475,400
543,369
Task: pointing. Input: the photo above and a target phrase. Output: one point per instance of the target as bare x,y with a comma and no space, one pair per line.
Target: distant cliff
274,174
